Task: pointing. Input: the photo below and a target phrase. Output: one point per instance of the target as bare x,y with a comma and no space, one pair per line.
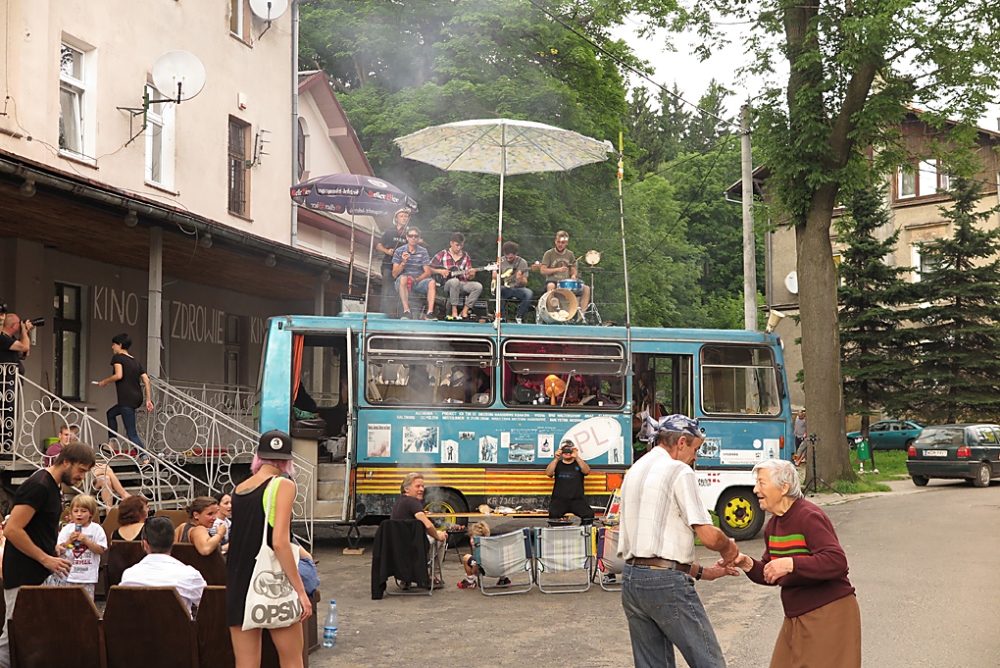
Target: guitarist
449,261
513,277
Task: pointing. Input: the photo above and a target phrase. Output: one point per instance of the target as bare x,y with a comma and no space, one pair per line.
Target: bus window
424,371
662,386
739,380
322,380
580,375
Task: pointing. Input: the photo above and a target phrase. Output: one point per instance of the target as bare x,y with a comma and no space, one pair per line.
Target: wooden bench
148,627
55,626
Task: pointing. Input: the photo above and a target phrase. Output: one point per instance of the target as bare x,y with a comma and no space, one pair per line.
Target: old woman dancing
802,555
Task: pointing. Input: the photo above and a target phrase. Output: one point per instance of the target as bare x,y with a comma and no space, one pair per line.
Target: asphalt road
924,562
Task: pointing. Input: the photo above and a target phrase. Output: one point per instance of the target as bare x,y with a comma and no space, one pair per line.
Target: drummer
559,264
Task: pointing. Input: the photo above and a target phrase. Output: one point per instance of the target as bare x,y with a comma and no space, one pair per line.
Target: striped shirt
659,505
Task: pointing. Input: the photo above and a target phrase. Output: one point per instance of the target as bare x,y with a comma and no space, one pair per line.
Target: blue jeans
522,295
128,421
663,610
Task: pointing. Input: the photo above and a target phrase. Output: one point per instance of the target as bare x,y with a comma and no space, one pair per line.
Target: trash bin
863,451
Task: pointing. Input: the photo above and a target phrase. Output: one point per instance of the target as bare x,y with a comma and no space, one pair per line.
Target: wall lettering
116,305
257,330
191,322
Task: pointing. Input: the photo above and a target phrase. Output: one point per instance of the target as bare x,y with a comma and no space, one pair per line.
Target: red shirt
444,259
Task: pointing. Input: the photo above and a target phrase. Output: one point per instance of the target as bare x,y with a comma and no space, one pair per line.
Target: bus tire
740,515
443,500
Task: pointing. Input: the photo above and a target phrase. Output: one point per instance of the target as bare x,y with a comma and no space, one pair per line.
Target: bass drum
558,307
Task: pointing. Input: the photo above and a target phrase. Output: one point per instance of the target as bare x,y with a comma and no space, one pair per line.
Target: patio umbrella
502,146
354,194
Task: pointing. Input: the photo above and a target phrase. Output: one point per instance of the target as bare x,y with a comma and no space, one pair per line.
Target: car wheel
438,500
983,475
906,446
740,515
920,480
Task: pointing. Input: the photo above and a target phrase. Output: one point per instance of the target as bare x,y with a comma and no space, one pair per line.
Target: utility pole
749,256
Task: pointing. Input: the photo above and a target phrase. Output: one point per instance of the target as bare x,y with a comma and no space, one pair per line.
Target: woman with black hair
130,381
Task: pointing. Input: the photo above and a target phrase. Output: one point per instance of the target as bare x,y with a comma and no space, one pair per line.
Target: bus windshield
739,380
425,371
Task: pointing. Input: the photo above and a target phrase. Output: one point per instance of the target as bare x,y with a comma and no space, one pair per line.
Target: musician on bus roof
455,266
411,267
513,278
559,264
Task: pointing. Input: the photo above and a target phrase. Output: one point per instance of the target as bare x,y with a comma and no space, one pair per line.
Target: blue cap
676,423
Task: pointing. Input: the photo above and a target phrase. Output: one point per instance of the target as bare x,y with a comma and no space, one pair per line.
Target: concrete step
332,490
328,510
330,472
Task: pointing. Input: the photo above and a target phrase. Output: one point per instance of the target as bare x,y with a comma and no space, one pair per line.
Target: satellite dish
792,282
178,75
268,10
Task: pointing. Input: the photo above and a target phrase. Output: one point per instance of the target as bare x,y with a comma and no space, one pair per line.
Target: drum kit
562,304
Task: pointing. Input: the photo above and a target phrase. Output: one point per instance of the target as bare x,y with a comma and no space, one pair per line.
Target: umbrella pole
368,283
350,273
503,168
621,212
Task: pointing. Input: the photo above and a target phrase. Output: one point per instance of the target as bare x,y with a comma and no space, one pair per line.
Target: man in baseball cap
391,240
275,444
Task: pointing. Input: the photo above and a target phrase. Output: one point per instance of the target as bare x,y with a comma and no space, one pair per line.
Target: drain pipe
295,119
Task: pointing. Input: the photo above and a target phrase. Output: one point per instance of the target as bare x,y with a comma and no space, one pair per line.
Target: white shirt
86,563
659,505
162,570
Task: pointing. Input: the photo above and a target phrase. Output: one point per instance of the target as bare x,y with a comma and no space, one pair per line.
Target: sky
692,76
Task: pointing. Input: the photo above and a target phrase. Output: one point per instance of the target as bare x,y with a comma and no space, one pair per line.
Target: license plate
935,453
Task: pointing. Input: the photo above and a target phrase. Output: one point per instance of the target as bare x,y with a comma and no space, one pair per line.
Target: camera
37,322
567,449
3,307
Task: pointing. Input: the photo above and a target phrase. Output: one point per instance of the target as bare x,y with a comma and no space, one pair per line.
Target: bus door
662,385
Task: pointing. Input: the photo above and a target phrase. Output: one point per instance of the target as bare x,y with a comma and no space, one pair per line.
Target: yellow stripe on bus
471,481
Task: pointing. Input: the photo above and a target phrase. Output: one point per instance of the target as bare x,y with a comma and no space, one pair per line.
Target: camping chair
212,567
48,622
504,556
608,563
122,554
149,627
402,550
563,550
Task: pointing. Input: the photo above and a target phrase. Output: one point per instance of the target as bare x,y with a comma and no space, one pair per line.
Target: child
82,541
468,560
223,517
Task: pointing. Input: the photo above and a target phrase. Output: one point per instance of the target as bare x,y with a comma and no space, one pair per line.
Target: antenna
268,10
179,74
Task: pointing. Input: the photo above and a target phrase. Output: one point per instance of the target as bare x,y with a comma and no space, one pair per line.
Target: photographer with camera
567,492
15,340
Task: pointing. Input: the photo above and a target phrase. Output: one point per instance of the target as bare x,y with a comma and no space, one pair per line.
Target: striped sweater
805,534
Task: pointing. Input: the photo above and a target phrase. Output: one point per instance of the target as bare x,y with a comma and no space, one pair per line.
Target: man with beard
33,526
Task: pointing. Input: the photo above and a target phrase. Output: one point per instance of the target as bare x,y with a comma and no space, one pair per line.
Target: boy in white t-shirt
82,541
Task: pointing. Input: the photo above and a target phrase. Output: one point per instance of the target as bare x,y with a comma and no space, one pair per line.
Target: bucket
557,307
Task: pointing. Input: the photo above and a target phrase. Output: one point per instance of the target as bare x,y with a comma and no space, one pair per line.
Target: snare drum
574,285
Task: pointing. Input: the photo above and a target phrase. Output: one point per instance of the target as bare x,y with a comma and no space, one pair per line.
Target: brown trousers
827,637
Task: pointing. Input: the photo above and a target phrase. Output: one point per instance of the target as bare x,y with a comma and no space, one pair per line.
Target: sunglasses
412,236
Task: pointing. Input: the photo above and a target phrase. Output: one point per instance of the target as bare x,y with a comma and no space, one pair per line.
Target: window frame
61,324
238,186
919,175
302,158
161,116
77,87
509,358
775,389
239,16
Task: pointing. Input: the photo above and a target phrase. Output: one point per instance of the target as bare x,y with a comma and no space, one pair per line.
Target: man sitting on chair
567,493
411,267
454,258
410,506
559,264
159,569
513,279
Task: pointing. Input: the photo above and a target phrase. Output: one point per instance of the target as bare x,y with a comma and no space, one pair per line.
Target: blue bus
481,411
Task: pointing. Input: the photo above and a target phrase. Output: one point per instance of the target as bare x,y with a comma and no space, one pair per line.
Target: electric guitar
508,276
455,272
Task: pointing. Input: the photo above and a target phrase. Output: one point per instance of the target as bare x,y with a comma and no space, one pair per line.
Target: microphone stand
812,487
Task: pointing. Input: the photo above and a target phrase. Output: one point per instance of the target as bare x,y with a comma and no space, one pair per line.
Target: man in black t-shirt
31,530
567,493
391,240
410,506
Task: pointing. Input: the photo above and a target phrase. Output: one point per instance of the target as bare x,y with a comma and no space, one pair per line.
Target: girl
82,541
202,511
224,517
131,383
468,562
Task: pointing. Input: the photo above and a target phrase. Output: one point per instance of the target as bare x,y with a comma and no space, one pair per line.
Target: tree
853,68
956,376
873,296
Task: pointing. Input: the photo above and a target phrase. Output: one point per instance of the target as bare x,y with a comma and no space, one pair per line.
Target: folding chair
563,550
608,563
400,547
48,622
504,556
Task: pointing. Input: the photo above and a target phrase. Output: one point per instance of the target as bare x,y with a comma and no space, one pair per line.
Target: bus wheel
438,500
740,516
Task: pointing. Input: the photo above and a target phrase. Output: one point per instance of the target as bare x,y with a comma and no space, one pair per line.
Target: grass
891,465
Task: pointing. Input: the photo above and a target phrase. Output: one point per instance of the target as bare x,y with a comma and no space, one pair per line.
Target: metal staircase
193,447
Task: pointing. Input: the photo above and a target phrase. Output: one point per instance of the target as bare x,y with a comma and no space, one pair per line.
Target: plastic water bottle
76,543
330,626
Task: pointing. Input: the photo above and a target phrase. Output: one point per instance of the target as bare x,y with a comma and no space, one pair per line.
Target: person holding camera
569,470
15,340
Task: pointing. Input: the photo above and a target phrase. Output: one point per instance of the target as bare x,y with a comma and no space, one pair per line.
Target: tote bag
271,601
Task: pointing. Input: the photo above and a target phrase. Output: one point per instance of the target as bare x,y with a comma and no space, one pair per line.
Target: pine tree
873,353
956,376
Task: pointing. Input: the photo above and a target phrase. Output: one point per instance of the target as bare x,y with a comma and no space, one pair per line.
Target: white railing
184,429
235,401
